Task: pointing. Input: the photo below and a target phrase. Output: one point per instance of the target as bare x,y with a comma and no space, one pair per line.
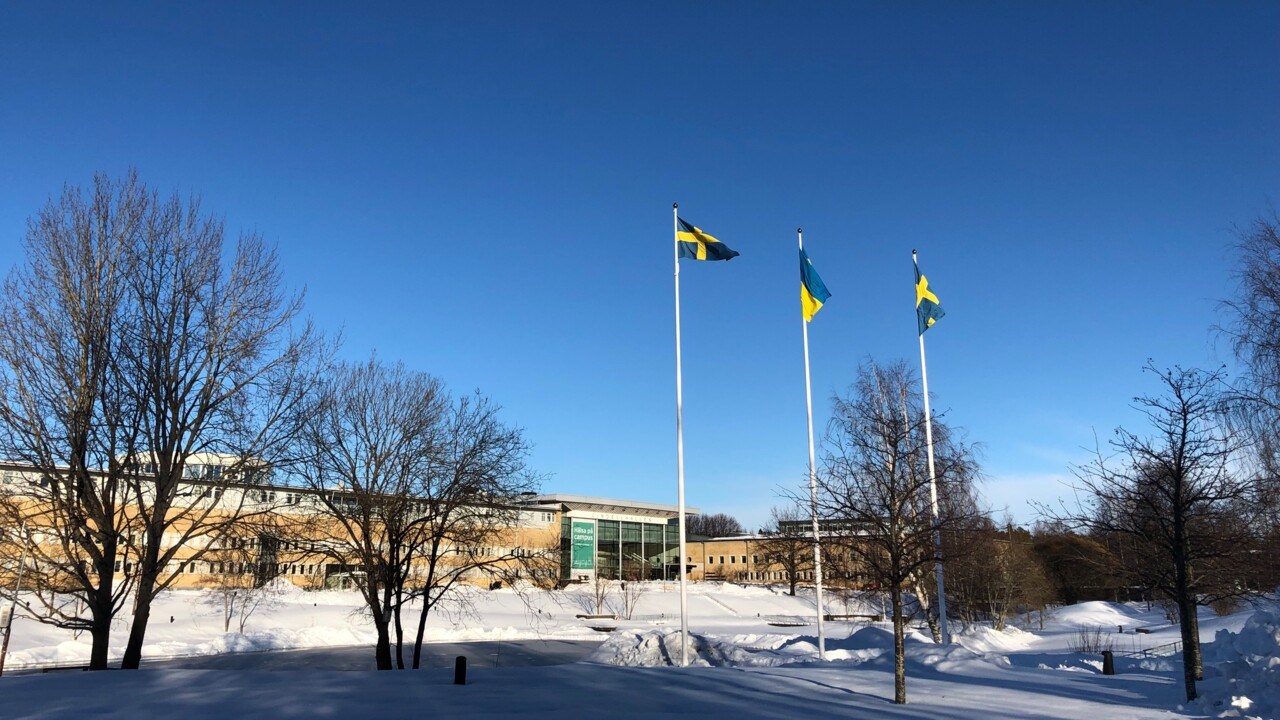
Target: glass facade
654,555
608,553
628,550
672,556
632,552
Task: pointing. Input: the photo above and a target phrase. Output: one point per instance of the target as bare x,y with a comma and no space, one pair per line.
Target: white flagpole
684,599
813,476
933,490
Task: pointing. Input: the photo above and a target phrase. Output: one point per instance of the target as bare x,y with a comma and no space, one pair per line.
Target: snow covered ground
750,660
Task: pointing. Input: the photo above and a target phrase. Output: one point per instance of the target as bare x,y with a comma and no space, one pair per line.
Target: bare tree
217,362
372,433
1253,327
634,572
416,492
1077,567
1175,494
875,482
468,499
994,574
788,544
239,583
601,594
66,412
713,526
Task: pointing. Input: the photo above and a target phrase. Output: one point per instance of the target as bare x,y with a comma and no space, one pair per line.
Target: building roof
610,505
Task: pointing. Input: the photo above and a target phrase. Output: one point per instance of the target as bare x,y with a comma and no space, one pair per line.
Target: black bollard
1108,663
460,671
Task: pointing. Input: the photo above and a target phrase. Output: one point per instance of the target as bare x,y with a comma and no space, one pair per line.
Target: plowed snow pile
1242,670
872,644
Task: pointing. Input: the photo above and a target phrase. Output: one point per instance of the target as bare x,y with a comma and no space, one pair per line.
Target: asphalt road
506,653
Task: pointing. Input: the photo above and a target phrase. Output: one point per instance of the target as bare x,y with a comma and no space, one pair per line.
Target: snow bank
1106,614
656,648
984,639
653,648
1242,670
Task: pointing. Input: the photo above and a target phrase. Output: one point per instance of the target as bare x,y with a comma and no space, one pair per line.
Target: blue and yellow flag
928,309
813,292
697,245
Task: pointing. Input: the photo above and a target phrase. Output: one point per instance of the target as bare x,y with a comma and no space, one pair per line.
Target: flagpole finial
675,205
800,230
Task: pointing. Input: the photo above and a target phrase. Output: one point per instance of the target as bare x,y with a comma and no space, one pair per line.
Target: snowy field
750,660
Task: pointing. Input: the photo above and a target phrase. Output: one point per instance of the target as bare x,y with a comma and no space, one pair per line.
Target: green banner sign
583,535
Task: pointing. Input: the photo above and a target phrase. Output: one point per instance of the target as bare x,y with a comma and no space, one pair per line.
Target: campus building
591,537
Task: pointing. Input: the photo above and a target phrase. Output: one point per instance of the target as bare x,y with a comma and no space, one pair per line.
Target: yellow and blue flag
928,309
698,245
813,292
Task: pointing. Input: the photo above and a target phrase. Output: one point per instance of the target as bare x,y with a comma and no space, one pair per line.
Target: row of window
733,560
248,568
230,568
755,559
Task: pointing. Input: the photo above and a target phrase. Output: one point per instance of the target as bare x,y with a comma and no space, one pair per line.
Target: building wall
286,535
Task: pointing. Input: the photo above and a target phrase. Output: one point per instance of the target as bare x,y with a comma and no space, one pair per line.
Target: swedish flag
928,309
697,245
813,292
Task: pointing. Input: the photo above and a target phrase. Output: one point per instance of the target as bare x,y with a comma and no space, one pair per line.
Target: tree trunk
899,658
1198,659
101,634
930,618
422,628
382,652
100,608
1186,612
141,615
399,636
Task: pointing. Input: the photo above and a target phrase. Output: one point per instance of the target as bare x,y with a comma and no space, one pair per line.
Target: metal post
813,479
933,494
684,600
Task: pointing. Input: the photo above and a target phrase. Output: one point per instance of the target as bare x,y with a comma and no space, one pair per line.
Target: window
755,559
711,560
733,559
721,559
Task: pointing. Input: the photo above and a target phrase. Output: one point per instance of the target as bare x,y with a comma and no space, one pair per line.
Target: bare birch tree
1177,495
1253,327
875,481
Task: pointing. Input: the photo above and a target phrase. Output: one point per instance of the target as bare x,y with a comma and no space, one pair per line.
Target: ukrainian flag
813,292
928,309
697,245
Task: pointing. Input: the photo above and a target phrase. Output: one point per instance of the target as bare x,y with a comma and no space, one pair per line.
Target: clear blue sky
483,190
